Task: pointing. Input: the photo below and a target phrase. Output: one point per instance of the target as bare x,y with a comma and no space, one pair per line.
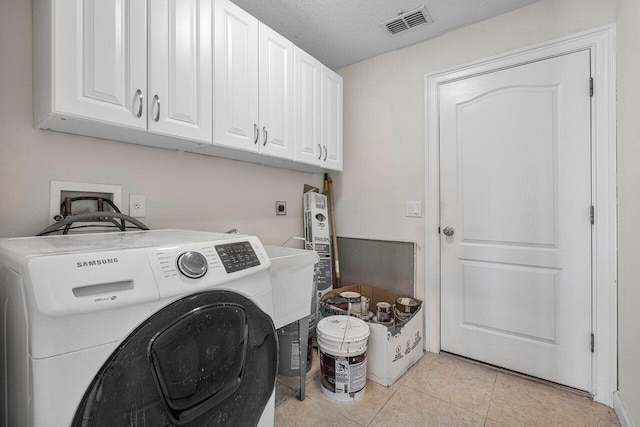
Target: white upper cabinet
180,69
235,77
307,108
253,84
195,75
275,93
90,61
332,91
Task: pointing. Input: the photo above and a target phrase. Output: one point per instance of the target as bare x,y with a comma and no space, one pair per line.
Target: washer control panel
183,268
237,256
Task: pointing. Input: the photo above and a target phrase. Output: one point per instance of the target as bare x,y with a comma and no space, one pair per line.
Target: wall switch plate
281,208
137,205
414,209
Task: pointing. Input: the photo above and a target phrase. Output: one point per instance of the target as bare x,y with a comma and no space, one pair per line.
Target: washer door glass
207,359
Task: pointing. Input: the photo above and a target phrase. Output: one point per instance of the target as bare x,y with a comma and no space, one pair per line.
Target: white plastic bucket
342,345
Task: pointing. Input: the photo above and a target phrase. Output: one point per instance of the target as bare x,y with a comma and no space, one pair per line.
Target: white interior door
515,159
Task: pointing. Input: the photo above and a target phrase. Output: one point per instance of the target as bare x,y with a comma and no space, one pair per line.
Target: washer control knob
192,264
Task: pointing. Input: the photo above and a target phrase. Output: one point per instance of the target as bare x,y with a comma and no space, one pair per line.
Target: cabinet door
235,77
307,108
276,94
180,69
331,119
100,60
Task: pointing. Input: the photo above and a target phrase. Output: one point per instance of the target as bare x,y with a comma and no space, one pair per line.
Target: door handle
449,231
264,130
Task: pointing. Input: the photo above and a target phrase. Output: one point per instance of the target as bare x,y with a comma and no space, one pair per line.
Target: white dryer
147,328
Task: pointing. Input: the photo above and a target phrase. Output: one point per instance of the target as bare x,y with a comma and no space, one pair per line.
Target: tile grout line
493,389
444,401
385,404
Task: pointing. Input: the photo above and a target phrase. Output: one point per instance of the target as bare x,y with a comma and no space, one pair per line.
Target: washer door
207,359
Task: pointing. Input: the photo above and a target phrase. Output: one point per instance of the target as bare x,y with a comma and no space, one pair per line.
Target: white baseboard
621,411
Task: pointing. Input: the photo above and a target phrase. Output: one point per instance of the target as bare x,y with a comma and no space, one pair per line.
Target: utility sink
292,283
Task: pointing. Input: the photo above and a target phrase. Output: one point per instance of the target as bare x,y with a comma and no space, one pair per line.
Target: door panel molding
600,43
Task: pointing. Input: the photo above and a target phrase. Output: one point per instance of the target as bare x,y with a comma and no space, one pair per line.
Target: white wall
183,190
628,111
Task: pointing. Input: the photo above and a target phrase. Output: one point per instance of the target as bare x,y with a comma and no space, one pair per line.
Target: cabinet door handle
320,151
256,132
141,100
156,100
325,153
264,129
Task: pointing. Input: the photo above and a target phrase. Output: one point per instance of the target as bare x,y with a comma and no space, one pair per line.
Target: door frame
600,42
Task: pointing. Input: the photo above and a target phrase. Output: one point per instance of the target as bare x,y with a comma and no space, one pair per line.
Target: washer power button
192,264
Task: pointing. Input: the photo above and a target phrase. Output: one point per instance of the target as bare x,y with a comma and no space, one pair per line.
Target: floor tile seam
513,374
288,398
342,414
493,389
323,405
291,389
565,396
283,400
487,419
326,405
384,404
446,401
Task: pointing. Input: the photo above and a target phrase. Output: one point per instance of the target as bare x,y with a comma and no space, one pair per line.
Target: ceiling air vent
407,20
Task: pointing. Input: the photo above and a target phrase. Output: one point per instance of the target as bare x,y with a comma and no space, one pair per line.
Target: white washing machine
147,328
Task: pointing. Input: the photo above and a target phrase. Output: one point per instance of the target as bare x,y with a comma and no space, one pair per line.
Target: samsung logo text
96,262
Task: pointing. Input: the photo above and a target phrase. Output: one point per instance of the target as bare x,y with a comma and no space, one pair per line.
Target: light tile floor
441,390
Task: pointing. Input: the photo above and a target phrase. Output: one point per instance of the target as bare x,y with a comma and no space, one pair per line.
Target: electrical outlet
281,208
137,205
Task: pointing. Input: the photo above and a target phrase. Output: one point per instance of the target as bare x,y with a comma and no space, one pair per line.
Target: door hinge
591,86
593,343
593,214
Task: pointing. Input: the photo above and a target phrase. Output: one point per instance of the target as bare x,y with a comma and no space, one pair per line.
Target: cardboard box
392,350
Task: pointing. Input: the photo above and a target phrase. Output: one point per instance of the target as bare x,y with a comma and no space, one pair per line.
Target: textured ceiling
343,32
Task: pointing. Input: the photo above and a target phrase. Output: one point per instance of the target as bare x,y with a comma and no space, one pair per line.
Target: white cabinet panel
275,93
331,119
180,69
98,62
307,108
235,77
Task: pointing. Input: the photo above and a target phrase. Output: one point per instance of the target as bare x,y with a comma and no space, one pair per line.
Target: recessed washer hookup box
392,350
